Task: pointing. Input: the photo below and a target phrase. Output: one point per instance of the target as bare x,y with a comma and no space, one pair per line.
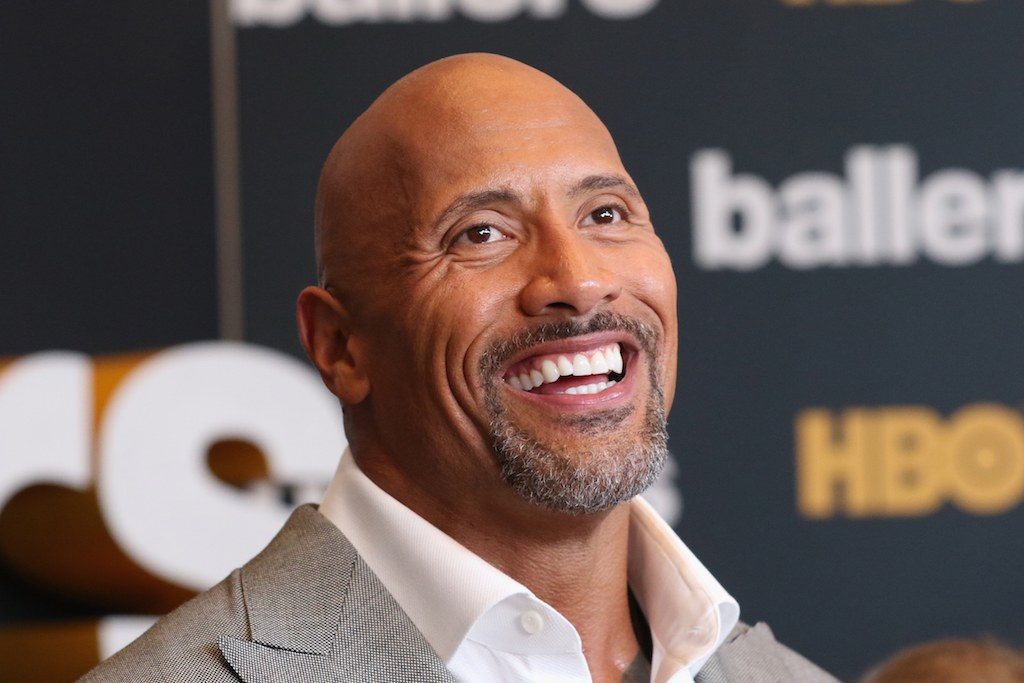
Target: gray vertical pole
227,173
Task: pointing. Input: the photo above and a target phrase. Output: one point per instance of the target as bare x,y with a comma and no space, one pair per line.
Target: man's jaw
581,452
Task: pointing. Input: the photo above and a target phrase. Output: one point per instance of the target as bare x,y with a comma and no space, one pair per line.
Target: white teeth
600,362
615,360
580,365
589,388
550,371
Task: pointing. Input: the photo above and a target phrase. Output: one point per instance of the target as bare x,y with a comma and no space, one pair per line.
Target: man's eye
605,215
482,234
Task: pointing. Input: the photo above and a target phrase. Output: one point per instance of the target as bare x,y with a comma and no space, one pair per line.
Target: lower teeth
590,388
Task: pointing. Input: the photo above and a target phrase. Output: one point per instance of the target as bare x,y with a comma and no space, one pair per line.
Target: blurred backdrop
840,184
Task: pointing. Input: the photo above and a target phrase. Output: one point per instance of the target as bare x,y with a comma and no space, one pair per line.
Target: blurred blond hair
952,661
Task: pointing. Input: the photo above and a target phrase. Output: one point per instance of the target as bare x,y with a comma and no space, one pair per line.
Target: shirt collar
688,611
444,588
417,562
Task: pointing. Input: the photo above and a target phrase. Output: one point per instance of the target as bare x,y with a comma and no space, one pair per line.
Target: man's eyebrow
474,200
603,182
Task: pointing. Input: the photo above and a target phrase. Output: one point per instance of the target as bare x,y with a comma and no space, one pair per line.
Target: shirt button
531,621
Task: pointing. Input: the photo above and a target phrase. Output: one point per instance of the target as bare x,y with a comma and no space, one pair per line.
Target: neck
578,565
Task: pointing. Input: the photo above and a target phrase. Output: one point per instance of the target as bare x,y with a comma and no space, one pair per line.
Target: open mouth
589,372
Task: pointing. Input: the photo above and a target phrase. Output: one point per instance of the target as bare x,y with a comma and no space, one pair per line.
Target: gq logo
180,455
908,461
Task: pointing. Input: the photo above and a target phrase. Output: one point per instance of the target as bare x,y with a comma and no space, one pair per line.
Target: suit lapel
317,614
376,640
257,663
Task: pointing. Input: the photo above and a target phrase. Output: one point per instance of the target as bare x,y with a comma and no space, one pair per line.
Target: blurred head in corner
952,661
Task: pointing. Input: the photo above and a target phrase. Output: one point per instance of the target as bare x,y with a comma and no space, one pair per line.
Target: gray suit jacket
309,610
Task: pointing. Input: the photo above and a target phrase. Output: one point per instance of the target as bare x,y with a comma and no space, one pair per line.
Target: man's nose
569,272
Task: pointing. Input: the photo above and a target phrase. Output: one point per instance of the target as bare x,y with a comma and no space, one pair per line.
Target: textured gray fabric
752,655
308,610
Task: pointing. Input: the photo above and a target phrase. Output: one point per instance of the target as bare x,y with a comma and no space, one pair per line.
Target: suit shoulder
802,669
182,646
751,654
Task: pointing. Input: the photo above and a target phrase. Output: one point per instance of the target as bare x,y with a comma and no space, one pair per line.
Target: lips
567,373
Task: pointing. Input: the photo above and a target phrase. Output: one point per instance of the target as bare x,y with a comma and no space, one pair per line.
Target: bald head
372,184
477,216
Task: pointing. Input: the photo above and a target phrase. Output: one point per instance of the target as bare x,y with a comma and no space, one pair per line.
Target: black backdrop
109,246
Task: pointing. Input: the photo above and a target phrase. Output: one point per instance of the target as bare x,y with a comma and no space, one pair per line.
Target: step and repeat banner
840,184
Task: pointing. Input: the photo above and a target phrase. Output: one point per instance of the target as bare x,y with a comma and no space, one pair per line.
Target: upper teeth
600,362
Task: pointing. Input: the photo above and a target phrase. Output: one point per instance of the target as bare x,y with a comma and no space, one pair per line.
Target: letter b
719,198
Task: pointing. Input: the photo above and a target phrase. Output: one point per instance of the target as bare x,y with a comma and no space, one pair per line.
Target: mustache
498,353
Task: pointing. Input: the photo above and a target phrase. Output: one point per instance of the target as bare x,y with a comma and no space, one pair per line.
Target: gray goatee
577,479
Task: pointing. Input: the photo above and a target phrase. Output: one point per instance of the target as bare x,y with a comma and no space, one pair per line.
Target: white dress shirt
488,627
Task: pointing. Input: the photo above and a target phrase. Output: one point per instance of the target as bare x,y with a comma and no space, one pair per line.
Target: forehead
456,128
525,149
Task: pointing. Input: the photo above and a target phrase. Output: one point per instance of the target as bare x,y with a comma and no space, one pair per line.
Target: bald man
497,318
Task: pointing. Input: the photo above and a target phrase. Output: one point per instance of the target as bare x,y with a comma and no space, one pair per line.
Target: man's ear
325,327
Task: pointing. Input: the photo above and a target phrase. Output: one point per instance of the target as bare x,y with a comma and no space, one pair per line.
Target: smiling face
501,312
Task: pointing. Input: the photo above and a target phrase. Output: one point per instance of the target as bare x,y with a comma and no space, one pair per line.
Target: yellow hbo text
903,461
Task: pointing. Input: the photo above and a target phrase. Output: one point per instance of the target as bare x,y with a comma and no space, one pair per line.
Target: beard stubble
611,463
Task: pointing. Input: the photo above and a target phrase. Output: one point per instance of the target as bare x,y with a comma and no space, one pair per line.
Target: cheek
443,325
467,315
654,283
393,327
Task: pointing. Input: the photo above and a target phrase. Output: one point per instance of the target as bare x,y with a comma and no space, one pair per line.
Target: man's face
519,313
